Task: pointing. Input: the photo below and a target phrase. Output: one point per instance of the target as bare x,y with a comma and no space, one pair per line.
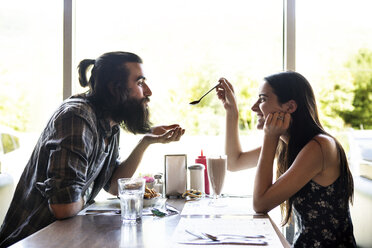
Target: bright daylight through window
186,45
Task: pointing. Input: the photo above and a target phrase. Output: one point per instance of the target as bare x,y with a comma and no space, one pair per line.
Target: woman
313,177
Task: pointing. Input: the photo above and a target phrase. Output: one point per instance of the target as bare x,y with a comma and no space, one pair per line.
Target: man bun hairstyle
83,69
107,71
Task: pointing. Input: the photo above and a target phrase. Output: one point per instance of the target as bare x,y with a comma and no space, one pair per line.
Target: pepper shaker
197,177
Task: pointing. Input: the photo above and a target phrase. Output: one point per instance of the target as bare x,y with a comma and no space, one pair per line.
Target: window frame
289,54
289,40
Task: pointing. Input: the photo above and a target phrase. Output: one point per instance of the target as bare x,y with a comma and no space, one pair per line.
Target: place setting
229,230
203,238
135,199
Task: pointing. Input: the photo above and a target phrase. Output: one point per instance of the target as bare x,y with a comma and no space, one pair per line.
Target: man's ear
112,89
290,106
117,92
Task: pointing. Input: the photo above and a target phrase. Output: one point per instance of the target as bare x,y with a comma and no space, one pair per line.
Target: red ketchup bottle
203,160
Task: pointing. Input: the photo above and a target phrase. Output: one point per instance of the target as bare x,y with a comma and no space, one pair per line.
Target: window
30,74
30,62
329,35
186,47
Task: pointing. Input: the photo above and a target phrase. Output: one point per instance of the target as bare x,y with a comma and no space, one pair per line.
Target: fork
198,235
234,236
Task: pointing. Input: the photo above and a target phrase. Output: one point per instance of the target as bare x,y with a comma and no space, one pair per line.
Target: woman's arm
237,159
307,165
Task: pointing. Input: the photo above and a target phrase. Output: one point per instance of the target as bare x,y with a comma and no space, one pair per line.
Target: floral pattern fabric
323,216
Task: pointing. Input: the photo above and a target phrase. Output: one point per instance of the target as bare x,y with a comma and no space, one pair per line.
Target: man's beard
132,115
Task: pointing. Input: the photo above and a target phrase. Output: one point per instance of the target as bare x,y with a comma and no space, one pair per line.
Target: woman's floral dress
323,216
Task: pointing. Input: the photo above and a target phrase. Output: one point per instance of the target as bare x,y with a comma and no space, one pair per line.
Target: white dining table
100,225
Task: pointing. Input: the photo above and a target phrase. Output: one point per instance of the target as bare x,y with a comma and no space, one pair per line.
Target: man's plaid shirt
68,153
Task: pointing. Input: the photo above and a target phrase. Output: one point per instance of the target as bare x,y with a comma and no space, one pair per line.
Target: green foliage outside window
202,119
207,117
9,142
361,69
344,98
14,107
335,95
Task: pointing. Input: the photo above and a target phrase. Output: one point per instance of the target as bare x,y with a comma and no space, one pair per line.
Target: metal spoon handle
196,102
208,92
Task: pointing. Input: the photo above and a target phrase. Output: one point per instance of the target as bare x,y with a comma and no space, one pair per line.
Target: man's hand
164,134
159,134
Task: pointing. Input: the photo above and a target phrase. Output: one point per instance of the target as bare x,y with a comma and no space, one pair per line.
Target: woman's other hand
277,124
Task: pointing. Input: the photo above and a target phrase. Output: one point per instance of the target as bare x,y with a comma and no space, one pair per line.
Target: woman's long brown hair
304,127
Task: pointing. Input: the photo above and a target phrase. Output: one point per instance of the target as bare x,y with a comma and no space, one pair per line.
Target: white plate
150,202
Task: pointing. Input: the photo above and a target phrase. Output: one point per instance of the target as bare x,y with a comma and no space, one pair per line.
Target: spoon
197,101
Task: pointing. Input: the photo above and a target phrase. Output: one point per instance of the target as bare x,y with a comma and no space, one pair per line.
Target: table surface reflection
108,231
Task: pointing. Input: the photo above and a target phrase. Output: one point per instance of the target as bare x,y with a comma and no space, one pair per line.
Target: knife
225,242
100,211
171,209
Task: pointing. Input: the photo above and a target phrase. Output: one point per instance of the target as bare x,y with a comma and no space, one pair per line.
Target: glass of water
131,191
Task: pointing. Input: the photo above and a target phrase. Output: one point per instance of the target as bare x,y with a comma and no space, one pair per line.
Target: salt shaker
197,177
158,186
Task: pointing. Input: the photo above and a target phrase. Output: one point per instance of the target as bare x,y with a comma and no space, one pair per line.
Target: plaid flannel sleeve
69,148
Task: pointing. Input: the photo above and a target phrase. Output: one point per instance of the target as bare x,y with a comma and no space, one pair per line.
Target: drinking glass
131,191
216,166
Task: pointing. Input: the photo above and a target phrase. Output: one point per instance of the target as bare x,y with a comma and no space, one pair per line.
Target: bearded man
77,153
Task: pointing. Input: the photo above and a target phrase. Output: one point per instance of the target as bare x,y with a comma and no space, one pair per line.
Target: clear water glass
131,191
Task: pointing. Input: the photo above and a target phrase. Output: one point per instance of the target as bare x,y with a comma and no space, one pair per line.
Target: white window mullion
289,35
67,46
289,63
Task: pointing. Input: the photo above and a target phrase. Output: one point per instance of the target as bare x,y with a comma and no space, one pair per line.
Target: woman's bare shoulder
325,141
330,164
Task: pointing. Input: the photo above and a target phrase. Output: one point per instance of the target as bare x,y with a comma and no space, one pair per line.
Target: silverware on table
231,236
208,239
102,211
195,234
232,242
171,209
236,196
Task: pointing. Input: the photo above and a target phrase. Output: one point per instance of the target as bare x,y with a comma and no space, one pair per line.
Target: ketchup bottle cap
201,156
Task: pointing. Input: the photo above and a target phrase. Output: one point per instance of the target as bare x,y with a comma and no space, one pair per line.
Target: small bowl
150,202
